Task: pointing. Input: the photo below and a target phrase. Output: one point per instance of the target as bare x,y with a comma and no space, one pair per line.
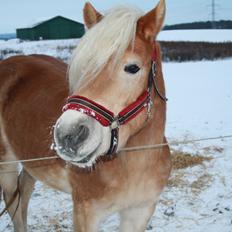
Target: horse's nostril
82,132
68,141
72,141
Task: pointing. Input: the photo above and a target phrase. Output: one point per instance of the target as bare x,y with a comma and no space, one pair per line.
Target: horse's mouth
85,159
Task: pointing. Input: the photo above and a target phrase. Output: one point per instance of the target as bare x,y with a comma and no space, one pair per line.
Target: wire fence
127,149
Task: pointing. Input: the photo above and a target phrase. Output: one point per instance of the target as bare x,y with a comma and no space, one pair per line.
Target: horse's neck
153,132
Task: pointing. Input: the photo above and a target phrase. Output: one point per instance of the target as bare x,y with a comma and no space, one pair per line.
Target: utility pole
213,14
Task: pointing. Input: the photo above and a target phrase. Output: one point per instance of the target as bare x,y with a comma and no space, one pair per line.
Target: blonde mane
110,37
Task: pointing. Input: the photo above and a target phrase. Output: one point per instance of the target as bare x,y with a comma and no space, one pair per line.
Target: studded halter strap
107,118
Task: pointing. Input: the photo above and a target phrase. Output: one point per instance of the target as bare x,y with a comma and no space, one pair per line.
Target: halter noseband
107,118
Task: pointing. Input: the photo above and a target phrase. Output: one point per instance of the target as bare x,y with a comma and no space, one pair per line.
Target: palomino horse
114,104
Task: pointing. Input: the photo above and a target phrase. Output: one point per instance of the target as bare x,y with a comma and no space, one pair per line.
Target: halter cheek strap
107,118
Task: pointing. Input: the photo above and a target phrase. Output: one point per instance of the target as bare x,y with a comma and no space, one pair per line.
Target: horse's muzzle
79,139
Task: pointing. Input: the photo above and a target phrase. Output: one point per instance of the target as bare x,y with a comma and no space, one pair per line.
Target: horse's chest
133,188
127,192
140,188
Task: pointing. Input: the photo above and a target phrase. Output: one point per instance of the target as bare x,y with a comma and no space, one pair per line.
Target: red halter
107,118
104,116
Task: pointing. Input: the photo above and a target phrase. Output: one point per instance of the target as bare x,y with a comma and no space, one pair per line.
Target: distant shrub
172,51
222,24
68,47
193,51
5,53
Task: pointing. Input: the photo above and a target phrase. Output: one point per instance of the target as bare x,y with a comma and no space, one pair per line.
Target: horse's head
108,78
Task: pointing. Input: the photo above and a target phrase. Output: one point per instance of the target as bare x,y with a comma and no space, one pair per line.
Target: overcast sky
20,13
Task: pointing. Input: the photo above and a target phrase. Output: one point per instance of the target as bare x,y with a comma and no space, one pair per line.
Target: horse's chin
89,160
83,161
86,162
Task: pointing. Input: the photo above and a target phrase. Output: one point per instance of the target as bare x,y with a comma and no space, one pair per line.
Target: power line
214,8
213,12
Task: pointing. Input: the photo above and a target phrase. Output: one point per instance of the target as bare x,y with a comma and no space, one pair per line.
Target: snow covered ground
200,105
196,35
198,198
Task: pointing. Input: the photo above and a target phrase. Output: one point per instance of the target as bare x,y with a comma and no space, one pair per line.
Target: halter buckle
115,124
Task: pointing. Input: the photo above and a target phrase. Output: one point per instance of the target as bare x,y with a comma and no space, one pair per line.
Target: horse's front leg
27,183
86,218
136,219
22,190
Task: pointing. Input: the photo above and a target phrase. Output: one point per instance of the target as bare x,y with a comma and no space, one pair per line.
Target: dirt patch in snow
181,160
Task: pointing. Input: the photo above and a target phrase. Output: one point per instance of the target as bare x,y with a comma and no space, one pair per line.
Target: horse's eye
132,68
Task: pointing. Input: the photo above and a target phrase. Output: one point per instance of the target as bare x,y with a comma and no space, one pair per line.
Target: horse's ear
150,24
91,15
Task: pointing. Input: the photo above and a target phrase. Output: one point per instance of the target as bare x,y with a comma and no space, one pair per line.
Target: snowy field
197,198
57,48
